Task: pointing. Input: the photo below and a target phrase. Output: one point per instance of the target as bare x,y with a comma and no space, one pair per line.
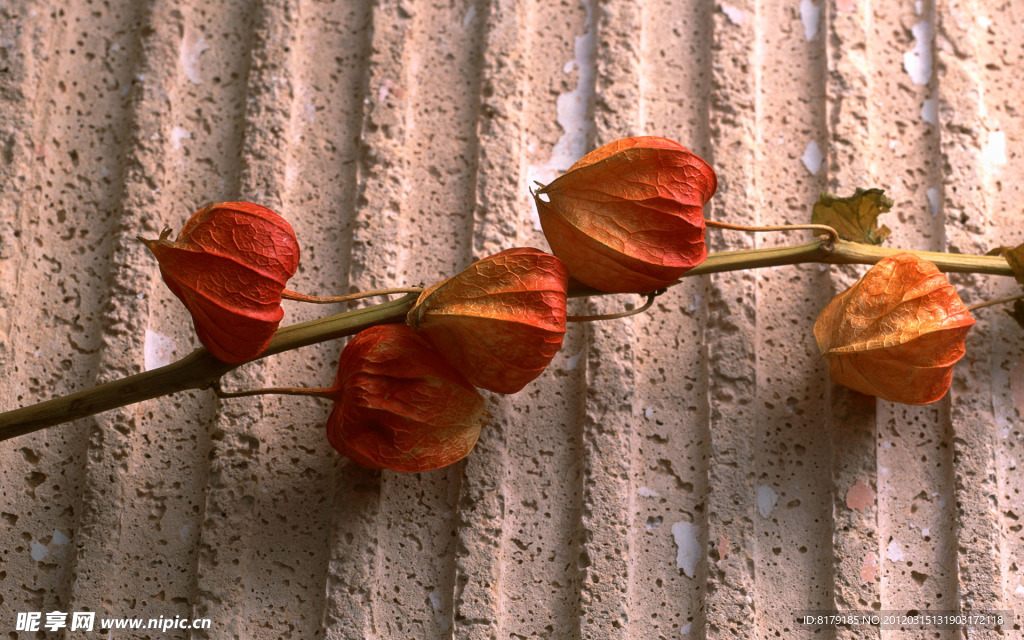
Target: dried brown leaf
854,217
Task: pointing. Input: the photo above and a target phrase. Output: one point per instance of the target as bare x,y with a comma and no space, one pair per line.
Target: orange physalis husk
501,321
896,333
628,217
399,405
228,266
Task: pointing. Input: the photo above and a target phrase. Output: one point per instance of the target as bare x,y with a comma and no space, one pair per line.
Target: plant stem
832,233
199,369
622,314
989,303
302,297
327,393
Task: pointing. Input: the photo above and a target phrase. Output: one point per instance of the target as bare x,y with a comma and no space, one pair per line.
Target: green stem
199,370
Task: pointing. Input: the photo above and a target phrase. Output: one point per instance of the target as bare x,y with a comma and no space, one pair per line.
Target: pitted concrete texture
686,473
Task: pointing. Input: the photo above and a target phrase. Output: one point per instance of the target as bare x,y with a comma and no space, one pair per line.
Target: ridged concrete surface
688,473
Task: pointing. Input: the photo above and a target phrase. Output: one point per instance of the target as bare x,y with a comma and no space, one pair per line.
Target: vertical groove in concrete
32,37
608,422
732,597
228,566
280,437
378,132
320,202
1000,47
915,492
852,151
481,556
419,191
672,442
982,441
81,187
792,446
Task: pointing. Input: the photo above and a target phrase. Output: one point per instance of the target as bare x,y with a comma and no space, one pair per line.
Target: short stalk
359,295
327,393
622,314
822,228
991,303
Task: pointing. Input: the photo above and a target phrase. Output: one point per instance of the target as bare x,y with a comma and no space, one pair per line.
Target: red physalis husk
499,322
628,217
897,332
228,266
400,405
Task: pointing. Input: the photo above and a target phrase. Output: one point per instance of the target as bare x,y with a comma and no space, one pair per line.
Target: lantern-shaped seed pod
400,405
628,217
501,321
896,333
229,266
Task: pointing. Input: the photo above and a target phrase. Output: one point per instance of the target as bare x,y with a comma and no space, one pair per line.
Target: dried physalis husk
400,405
228,266
499,322
628,216
896,333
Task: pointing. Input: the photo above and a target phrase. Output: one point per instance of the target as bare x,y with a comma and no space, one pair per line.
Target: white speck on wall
648,412
38,551
184,531
812,157
647,493
930,111
995,149
918,61
470,14
158,350
810,14
192,46
925,531
572,109
894,552
59,538
934,200
918,7
573,361
766,499
886,444
435,600
984,22
684,630
735,14
689,552
697,299
177,135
